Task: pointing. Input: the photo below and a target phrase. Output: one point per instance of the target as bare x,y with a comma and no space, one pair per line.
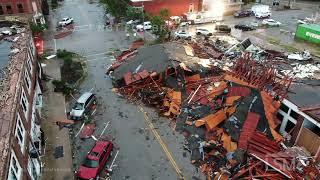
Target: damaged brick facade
20,105
19,7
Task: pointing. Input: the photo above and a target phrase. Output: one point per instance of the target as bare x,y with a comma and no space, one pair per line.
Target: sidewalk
55,168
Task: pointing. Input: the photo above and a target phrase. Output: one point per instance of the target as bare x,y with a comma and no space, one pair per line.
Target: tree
134,13
159,27
164,14
116,7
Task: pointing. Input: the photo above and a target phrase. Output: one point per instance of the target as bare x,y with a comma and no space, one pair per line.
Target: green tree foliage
134,13
116,7
159,27
164,14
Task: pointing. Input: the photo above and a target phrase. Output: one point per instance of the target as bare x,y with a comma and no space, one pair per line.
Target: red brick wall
26,4
175,7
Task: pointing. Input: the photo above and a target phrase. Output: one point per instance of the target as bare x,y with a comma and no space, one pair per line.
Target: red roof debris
130,78
87,131
238,91
248,128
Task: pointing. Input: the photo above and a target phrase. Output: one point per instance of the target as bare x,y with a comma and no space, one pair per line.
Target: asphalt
148,147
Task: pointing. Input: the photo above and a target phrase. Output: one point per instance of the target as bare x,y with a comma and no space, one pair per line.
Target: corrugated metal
238,91
248,128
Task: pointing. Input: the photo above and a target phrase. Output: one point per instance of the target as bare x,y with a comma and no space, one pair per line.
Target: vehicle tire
198,33
210,34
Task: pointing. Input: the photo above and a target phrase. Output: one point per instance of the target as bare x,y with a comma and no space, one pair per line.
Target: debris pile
227,117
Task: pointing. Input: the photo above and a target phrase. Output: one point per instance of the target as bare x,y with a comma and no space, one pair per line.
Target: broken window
290,125
284,108
279,116
294,114
9,9
1,11
20,8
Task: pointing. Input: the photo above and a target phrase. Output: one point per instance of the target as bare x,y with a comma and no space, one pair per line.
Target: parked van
83,106
261,11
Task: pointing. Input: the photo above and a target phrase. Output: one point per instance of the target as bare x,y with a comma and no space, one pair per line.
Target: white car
133,22
66,21
304,56
261,15
306,20
145,26
202,31
182,35
270,22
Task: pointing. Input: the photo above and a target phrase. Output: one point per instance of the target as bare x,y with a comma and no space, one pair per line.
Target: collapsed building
228,111
20,103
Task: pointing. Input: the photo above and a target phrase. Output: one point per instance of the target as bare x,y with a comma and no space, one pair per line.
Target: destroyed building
233,114
20,104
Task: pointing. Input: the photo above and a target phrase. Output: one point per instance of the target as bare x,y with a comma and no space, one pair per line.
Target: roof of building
306,96
150,58
8,95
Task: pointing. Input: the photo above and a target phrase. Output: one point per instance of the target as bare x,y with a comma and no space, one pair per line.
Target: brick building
20,106
22,7
175,7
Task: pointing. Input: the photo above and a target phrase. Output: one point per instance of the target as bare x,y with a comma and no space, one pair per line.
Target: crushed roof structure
226,111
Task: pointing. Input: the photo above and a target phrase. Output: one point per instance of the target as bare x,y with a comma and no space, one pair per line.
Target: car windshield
78,106
91,163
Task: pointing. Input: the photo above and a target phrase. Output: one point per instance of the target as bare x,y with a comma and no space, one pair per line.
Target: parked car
145,26
95,160
131,22
182,35
254,24
298,56
244,27
306,20
202,31
66,21
223,28
276,3
264,14
270,22
240,14
83,106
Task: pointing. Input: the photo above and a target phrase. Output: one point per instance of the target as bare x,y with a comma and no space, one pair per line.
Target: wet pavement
283,35
148,147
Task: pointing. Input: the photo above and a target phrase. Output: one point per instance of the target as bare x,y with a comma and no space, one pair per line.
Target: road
149,148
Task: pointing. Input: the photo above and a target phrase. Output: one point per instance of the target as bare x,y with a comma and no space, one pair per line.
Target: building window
27,80
24,102
20,8
279,116
15,168
9,9
20,133
1,11
290,125
294,114
284,108
29,64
